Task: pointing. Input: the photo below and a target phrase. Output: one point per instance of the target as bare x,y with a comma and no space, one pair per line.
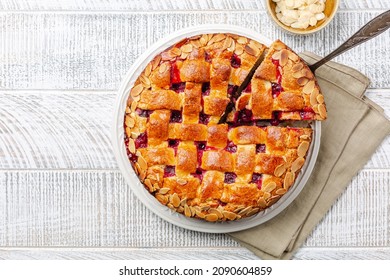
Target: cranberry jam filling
176,117
275,118
143,113
244,116
203,118
235,61
201,145
198,174
175,74
276,90
141,141
230,177
260,148
205,89
307,114
231,147
248,88
278,72
257,179
207,57
180,87
169,171
232,90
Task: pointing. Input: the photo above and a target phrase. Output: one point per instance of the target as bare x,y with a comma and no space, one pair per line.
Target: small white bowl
331,7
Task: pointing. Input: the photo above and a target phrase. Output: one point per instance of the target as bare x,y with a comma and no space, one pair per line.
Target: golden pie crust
212,171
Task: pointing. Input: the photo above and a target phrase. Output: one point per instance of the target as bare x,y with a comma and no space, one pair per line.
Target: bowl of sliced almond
302,16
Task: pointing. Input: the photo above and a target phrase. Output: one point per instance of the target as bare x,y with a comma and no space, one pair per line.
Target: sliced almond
309,87
239,49
163,199
281,191
250,50
276,55
148,69
304,137
273,200
176,51
204,40
279,170
252,212
229,215
134,134
232,46
313,98
135,91
322,111
288,180
200,214
216,212
175,200
197,43
302,148
297,164
133,106
145,81
187,211
269,187
181,181
320,99
242,40
297,67
283,57
227,43
130,122
148,184
279,46
211,217
297,74
302,81
216,38
131,146
244,211
266,195
315,109
163,68
262,202
156,62
142,162
184,55
186,48
292,56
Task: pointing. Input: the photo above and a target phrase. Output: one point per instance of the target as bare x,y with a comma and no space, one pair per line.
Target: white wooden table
61,193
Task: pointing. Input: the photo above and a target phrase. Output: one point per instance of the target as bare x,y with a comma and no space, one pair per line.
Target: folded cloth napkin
354,129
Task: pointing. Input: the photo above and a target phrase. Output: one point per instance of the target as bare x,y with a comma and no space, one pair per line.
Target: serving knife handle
372,29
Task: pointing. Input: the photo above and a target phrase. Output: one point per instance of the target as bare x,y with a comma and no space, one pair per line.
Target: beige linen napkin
354,129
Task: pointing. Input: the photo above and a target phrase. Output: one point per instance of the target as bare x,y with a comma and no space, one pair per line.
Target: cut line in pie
229,171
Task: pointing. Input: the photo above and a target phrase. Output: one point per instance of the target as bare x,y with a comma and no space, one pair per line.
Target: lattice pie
232,170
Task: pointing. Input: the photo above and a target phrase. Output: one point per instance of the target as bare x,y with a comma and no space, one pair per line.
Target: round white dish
132,179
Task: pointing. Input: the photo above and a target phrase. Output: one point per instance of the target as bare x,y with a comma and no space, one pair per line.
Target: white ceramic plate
132,179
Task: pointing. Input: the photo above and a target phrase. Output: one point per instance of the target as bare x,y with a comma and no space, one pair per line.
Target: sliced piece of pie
284,88
207,170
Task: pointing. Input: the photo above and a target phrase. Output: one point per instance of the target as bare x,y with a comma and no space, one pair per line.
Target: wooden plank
71,130
126,254
167,5
316,253
97,208
94,50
